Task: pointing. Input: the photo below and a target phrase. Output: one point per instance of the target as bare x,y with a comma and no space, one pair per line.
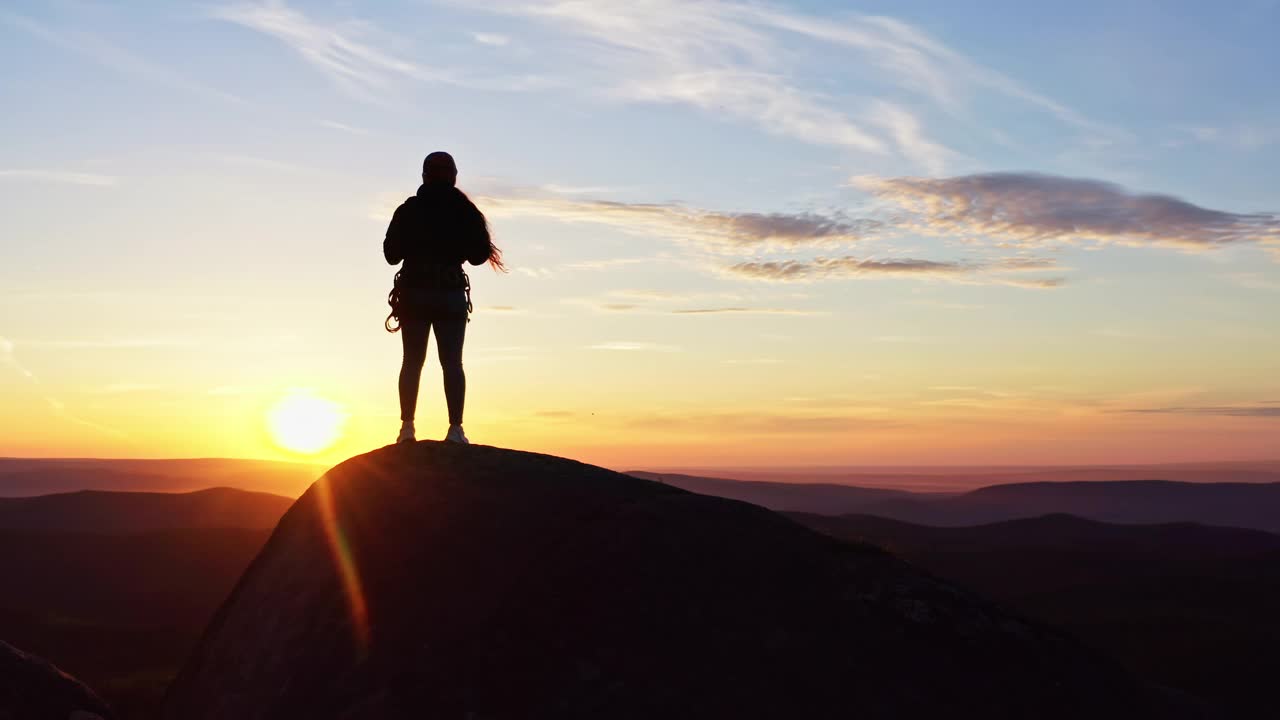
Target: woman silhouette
433,233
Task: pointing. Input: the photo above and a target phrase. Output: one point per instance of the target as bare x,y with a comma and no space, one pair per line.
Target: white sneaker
406,434
456,435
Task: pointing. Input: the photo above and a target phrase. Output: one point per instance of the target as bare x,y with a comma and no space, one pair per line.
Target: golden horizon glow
305,424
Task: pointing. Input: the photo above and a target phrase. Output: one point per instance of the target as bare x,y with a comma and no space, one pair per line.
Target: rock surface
444,581
33,689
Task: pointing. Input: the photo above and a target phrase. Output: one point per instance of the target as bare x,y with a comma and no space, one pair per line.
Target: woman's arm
393,245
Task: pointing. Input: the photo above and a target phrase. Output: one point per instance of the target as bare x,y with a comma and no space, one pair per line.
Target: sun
303,423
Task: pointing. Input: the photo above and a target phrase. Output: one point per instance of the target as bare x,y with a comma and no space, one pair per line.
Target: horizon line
820,468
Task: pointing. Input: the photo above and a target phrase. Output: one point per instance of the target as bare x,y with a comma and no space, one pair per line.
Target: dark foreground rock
33,689
441,581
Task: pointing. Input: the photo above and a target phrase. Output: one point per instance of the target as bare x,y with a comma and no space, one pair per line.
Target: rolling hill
115,588
826,498
138,575
1235,504
116,512
1185,605
43,476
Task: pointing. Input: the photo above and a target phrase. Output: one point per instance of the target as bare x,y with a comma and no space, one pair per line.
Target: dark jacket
437,229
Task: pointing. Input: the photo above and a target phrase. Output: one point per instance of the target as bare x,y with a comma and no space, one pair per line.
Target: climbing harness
446,278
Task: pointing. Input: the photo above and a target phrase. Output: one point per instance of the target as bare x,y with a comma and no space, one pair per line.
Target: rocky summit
442,581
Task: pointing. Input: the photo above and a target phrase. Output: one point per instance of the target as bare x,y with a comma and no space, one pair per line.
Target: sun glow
303,423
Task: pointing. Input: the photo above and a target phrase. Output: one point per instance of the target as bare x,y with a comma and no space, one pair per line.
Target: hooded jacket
433,233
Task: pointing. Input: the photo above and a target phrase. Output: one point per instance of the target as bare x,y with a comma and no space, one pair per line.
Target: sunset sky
816,233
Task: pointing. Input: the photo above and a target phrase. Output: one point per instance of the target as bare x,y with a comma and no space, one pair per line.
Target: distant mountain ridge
1053,532
1245,505
1233,504
826,498
962,478
1189,605
129,512
21,477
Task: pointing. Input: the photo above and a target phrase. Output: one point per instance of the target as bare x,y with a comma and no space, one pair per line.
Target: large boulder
33,689
444,581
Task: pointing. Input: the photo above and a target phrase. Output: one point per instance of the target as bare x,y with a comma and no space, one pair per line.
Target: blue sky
856,225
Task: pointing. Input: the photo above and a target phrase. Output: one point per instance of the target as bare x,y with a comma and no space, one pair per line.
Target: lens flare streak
344,562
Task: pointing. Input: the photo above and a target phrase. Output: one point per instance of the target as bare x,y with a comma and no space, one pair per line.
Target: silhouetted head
439,168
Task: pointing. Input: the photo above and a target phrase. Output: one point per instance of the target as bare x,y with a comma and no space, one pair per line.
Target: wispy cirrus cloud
772,67
491,39
909,136
990,272
121,343
125,388
1030,209
737,310
1240,136
1253,280
59,409
607,263
1269,409
347,52
713,230
9,357
918,61
660,302
743,311
712,56
763,423
750,62
350,129
750,234
631,346
1011,211
60,176
102,52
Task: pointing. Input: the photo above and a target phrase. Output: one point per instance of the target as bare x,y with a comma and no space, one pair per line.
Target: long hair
439,169
495,253
477,217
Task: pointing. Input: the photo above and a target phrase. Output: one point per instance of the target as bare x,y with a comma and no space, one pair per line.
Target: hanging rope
393,299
